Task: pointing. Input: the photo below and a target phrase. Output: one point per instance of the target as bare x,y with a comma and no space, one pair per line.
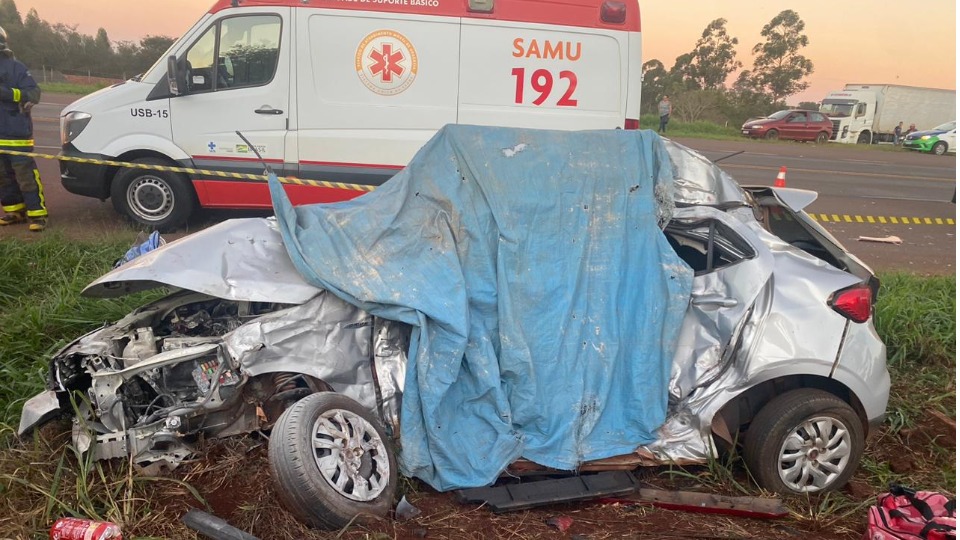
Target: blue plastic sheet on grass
546,300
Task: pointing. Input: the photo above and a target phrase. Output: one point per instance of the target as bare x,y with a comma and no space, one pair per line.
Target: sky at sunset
864,41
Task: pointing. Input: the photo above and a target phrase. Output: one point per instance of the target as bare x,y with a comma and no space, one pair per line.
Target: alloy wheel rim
814,454
350,455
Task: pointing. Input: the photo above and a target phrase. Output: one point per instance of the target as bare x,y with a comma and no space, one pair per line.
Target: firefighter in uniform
21,193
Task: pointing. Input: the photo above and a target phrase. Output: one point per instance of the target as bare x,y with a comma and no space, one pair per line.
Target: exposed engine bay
192,366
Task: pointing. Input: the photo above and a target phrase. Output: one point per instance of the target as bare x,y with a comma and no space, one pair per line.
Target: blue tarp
546,300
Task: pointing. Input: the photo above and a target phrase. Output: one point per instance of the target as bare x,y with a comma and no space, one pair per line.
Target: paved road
854,183
864,192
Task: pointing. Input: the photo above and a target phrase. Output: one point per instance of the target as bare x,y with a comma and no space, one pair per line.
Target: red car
794,124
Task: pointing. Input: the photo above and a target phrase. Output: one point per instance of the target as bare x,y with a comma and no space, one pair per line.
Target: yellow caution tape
823,218
187,170
846,218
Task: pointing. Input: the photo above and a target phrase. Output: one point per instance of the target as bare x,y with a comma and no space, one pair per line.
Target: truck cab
852,113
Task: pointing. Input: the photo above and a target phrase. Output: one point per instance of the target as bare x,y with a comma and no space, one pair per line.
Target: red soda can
84,529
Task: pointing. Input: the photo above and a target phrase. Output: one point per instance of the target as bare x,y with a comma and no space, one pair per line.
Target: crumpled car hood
245,260
238,259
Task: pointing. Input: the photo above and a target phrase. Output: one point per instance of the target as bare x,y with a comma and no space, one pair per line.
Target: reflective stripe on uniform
15,207
16,95
42,211
19,143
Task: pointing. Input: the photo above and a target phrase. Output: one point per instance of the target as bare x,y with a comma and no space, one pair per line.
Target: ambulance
342,91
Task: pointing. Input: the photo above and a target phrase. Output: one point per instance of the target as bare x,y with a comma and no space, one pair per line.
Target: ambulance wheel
161,200
804,441
331,461
940,148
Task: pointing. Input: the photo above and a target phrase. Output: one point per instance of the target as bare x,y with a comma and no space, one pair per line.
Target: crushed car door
731,268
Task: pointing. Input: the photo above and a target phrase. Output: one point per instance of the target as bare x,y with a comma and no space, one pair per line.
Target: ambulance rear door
542,76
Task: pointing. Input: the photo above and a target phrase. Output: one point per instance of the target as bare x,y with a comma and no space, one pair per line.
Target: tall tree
10,16
656,82
779,67
712,60
152,48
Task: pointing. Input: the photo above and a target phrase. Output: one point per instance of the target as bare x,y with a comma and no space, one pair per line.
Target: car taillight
854,303
613,12
631,123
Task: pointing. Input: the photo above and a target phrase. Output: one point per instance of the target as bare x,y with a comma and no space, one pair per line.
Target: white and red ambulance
344,91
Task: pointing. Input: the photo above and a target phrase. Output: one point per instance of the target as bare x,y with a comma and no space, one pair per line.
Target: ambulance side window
236,52
200,62
249,50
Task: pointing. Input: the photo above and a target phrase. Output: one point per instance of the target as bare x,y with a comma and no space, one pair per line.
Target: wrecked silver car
776,353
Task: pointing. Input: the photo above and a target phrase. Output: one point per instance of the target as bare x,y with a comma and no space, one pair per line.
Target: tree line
60,47
697,82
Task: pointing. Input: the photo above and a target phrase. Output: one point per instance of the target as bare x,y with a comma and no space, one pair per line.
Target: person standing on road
897,131
664,108
21,193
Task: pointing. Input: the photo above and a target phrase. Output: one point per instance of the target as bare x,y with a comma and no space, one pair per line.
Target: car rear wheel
940,148
772,135
331,461
804,441
822,137
161,200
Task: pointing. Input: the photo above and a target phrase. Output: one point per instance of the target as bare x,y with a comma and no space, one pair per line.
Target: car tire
864,138
784,447
772,135
319,483
940,148
160,200
822,137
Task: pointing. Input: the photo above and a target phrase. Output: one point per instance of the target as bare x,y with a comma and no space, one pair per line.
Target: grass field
70,88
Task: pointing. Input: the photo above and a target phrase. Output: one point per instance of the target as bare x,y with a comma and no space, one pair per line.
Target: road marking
848,218
725,165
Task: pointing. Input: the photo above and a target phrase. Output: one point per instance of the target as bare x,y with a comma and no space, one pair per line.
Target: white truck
868,113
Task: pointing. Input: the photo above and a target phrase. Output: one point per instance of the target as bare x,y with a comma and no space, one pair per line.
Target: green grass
41,310
700,130
70,88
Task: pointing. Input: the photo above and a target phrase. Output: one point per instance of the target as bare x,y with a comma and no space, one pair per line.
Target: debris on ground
690,501
213,527
405,510
883,240
511,497
560,523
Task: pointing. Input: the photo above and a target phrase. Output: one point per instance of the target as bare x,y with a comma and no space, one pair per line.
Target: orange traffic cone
781,180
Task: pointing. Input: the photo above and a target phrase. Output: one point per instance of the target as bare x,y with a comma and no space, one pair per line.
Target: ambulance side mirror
174,77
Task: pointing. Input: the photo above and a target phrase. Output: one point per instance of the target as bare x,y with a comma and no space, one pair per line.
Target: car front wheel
772,135
940,148
804,441
331,461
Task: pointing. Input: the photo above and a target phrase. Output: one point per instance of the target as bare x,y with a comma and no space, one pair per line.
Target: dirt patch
234,479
